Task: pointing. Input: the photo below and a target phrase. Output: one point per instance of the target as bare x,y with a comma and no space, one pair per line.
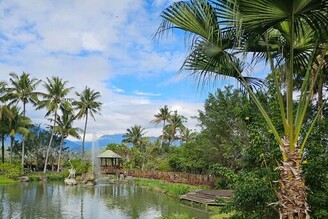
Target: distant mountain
103,141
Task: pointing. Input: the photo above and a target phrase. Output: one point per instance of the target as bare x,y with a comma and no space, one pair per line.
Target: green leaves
88,103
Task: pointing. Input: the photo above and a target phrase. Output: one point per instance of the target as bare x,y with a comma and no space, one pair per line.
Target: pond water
117,201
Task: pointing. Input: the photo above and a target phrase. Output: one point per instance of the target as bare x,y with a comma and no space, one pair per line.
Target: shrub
10,170
56,175
316,172
252,197
81,166
226,178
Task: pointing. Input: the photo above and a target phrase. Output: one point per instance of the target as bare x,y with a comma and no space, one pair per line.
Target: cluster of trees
148,154
236,145
39,145
291,37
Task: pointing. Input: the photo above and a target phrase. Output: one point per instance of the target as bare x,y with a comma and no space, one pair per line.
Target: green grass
50,175
176,216
4,180
171,189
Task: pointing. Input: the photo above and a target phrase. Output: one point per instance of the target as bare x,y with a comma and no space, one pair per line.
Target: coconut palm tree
23,90
65,128
134,135
5,117
87,104
4,109
175,123
187,135
273,30
17,125
55,96
163,116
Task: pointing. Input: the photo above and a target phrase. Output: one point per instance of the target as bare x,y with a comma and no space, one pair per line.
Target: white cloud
88,43
140,93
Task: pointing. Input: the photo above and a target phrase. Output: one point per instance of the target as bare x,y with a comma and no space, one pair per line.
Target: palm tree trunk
50,142
163,134
60,152
12,138
84,131
23,152
23,140
292,194
3,148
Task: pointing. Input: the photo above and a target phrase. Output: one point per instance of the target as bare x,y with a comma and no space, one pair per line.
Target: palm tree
17,125
175,124
87,105
23,90
163,116
55,96
5,117
65,128
186,135
134,135
4,110
274,30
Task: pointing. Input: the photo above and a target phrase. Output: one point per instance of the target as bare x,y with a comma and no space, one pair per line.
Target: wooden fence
177,177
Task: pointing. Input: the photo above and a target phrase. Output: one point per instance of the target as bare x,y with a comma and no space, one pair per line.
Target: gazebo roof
109,154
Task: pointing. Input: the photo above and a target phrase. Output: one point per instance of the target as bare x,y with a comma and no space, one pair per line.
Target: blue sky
107,45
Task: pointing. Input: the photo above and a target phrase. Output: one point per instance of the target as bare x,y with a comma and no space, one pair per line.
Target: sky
109,46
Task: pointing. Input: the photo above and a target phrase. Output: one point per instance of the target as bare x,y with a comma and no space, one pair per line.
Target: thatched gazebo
110,162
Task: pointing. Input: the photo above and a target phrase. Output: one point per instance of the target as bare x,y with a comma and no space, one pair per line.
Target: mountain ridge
103,141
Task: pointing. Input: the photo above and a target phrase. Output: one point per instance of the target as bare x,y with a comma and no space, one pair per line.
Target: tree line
61,111
290,37
235,145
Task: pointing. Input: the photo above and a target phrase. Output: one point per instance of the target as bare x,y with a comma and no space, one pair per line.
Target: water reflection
53,200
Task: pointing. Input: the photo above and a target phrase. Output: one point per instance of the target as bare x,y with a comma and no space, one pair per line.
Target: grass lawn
4,180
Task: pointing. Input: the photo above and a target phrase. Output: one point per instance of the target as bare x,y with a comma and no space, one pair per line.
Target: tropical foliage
287,35
38,145
87,104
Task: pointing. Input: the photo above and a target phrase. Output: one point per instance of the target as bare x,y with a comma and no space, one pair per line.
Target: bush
35,176
164,165
81,166
10,170
316,172
51,175
252,197
226,177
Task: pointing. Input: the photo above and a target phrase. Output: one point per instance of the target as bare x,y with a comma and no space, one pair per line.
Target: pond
117,201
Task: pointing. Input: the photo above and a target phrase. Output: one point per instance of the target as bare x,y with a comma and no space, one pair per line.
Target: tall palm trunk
84,131
23,140
292,195
50,142
163,133
12,138
3,148
60,152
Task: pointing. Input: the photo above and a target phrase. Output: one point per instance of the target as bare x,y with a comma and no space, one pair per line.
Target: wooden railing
111,169
188,178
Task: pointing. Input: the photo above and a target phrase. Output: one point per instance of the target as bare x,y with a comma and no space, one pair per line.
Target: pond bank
175,190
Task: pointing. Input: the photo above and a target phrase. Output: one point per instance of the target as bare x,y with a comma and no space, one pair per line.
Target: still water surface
115,201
